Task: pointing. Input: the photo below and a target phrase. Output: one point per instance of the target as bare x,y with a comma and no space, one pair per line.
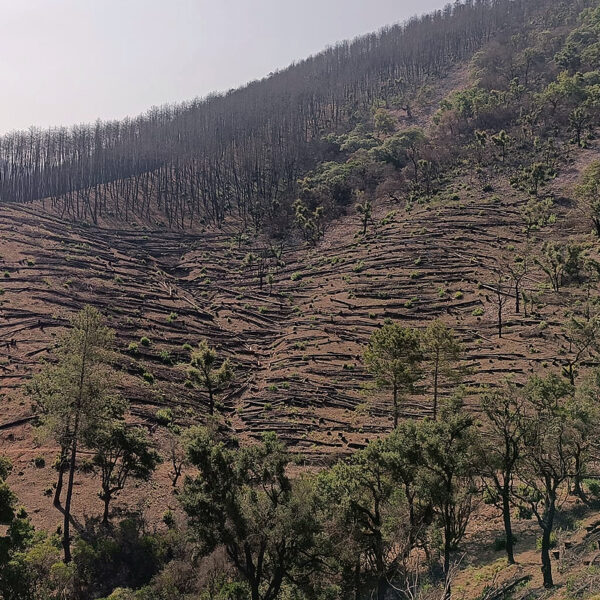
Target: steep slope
297,344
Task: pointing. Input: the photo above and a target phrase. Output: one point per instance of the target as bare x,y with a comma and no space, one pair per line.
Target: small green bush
165,357
359,266
169,518
593,485
164,416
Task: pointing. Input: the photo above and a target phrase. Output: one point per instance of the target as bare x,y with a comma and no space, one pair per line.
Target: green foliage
385,122
531,178
7,503
165,357
536,214
164,416
310,223
205,372
442,351
593,486
402,148
470,107
245,500
76,395
368,514
562,262
5,467
148,377
121,453
360,138
394,357
126,555
451,466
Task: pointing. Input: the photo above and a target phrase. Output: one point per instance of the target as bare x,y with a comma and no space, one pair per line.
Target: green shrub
39,462
169,518
359,266
165,356
149,377
593,485
144,341
164,416
5,467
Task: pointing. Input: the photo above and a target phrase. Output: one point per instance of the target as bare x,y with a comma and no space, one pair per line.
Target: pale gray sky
72,61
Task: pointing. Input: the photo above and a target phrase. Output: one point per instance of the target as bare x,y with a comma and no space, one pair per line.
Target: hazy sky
70,61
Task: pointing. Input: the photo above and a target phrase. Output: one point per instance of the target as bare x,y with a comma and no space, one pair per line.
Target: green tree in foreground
584,411
447,476
367,519
121,453
549,456
14,571
76,395
7,497
205,373
443,351
394,356
501,447
244,500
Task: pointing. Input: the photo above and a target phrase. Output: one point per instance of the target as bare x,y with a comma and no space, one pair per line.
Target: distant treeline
243,152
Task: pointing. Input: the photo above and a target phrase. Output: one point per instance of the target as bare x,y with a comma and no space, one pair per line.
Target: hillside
452,195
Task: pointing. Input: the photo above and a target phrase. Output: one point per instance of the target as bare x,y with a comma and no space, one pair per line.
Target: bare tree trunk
546,540
66,541
61,473
510,553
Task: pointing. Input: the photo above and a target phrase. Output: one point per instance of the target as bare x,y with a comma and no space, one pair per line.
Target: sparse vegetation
410,389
